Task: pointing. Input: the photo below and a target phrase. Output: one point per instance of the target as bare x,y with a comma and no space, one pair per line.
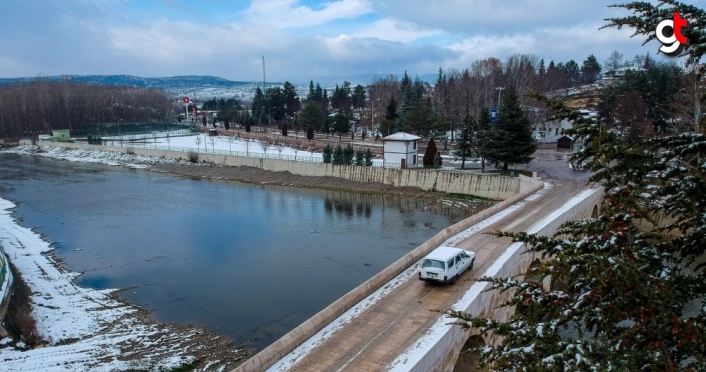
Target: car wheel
471,267
453,280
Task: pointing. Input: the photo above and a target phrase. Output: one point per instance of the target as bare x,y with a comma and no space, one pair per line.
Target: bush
348,153
327,153
359,157
338,155
429,155
368,158
19,311
94,140
194,157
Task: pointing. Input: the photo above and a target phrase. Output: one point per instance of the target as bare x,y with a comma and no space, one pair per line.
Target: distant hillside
159,82
196,87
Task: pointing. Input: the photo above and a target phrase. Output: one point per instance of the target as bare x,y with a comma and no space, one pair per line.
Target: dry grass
20,312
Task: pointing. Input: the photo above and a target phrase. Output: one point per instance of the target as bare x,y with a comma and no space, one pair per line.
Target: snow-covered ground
92,156
218,144
87,329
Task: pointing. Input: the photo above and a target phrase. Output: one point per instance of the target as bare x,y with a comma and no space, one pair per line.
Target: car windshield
429,263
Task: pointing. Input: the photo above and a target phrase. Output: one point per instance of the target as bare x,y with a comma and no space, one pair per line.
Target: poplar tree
429,154
464,144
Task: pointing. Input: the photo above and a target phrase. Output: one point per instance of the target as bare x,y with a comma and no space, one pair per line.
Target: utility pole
500,90
263,75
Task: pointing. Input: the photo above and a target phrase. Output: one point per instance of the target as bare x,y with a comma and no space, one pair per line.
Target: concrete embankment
486,186
6,281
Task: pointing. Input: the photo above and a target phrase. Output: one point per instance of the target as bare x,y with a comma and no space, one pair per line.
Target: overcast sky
300,39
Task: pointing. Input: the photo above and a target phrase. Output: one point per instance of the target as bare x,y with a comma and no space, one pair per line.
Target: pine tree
645,16
590,69
388,125
368,158
313,115
327,153
359,157
628,286
338,155
421,120
511,140
348,154
312,92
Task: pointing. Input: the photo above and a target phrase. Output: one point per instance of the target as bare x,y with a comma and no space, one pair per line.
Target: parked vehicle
445,264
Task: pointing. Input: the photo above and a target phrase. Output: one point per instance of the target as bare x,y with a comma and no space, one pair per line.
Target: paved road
375,338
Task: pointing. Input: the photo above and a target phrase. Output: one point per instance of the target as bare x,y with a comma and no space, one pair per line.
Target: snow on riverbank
92,156
87,329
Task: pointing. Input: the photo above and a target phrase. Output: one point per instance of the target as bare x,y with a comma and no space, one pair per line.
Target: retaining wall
486,186
6,281
287,343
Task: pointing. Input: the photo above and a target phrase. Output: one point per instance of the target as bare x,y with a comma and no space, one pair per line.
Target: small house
62,135
564,142
400,148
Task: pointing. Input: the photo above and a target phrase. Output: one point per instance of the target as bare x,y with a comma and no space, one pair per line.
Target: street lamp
372,110
500,90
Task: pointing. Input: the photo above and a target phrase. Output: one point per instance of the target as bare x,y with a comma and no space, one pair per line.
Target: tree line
624,290
30,108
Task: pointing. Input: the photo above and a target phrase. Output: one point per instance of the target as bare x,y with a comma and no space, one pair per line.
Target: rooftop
401,136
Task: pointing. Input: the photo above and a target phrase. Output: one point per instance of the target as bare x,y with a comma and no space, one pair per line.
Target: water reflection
254,261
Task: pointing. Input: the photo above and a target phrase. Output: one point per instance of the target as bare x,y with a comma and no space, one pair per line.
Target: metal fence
145,136
250,154
121,128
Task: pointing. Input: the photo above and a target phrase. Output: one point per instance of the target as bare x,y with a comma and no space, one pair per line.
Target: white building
400,148
551,131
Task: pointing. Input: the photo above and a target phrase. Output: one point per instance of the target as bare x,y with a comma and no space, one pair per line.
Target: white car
445,264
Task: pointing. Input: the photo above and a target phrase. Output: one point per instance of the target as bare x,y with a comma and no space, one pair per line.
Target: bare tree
41,105
265,145
631,118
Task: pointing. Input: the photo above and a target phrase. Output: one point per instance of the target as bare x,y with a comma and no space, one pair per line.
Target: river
252,261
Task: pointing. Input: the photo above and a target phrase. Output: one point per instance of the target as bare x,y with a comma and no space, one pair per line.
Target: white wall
395,151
